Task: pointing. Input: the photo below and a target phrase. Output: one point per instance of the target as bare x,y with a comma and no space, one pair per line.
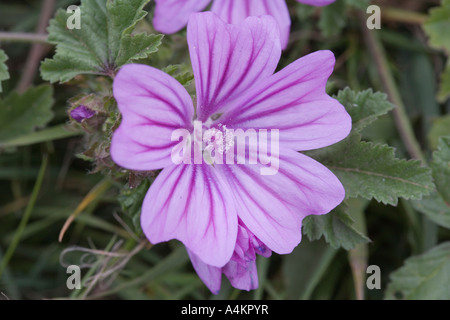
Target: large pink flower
212,209
172,15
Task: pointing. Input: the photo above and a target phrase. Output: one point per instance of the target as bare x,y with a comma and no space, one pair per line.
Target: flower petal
294,101
317,3
153,105
211,276
227,60
273,207
172,15
192,203
242,274
237,11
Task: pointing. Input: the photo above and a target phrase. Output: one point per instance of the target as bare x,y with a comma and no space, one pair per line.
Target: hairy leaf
4,75
423,277
371,170
21,114
102,44
435,208
336,227
364,107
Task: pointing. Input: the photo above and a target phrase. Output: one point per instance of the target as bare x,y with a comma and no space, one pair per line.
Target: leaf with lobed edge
336,227
4,75
370,170
102,44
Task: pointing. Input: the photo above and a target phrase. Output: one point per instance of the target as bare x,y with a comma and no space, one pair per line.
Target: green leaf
423,277
332,20
435,208
441,168
364,107
181,73
21,114
371,170
437,26
336,227
48,134
360,4
131,200
4,75
444,90
102,44
440,127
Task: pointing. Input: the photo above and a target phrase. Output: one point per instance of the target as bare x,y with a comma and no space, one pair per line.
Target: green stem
400,117
404,16
23,37
323,265
23,222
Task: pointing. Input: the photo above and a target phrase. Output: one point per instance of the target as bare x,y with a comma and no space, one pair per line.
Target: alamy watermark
74,280
374,20
374,280
74,20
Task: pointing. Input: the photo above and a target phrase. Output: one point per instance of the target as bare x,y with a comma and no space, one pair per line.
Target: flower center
213,140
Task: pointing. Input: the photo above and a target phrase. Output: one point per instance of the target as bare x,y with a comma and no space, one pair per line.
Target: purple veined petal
227,60
172,15
211,276
153,105
273,207
237,11
242,274
194,204
294,101
317,3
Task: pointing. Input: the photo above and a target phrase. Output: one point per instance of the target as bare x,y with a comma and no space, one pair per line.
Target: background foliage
63,201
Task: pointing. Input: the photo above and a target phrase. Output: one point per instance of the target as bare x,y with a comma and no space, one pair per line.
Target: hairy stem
38,49
400,117
23,37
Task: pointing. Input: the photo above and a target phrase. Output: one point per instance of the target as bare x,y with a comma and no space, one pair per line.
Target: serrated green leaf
102,44
423,277
135,47
371,170
21,114
336,227
4,75
364,107
435,208
441,168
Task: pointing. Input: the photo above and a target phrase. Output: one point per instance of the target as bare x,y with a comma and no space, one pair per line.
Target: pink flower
241,269
212,209
172,15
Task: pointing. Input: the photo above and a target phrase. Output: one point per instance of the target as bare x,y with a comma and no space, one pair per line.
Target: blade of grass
49,134
176,259
262,267
26,216
324,263
96,192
